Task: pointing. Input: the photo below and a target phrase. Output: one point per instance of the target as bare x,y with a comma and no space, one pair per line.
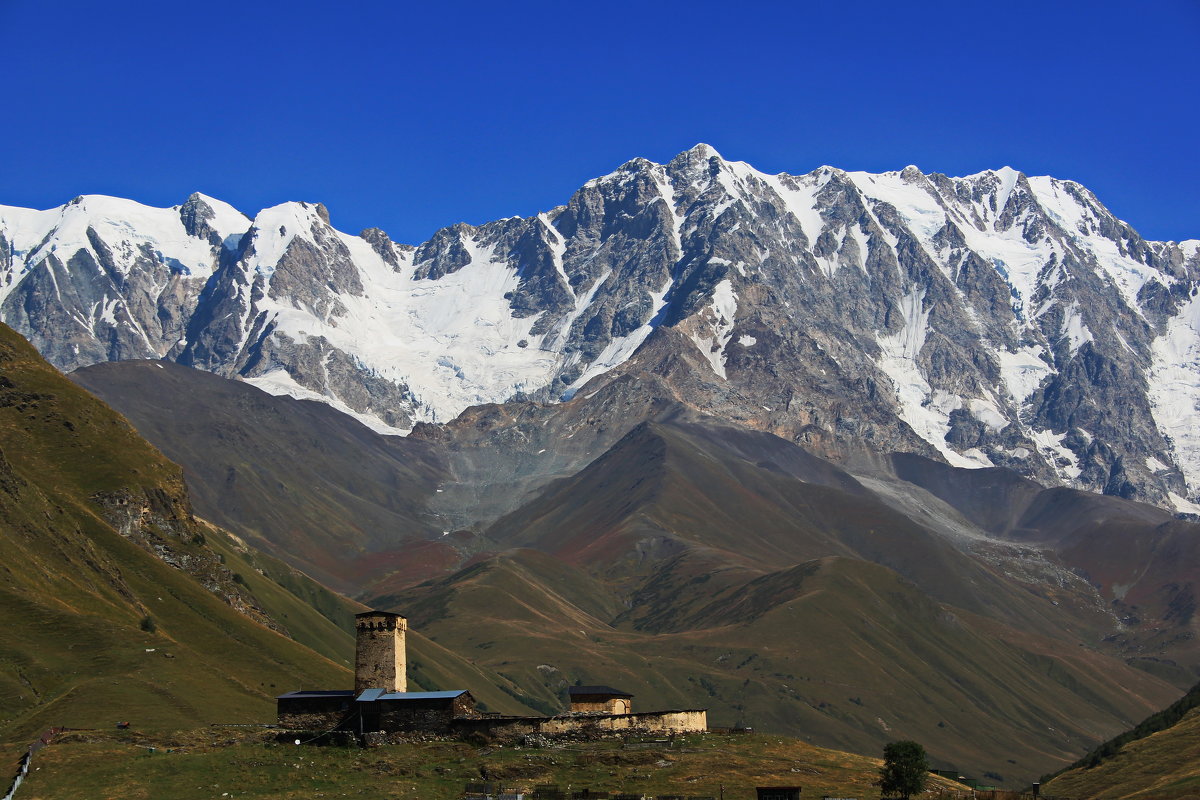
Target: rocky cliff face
995,319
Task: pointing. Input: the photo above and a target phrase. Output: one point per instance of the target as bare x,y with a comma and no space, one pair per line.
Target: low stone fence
586,725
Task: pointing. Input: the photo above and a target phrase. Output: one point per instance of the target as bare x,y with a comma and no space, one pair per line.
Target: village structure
380,703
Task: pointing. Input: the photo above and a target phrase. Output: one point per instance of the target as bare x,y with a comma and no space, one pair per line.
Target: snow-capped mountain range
990,320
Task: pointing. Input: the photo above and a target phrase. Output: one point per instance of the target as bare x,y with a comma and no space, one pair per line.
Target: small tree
905,768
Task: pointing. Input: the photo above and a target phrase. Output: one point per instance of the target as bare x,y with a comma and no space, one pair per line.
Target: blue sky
408,116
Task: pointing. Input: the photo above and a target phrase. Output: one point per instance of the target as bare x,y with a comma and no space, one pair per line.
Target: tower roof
379,614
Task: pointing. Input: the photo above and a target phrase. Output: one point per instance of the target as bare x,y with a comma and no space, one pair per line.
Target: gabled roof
379,614
604,690
314,693
371,695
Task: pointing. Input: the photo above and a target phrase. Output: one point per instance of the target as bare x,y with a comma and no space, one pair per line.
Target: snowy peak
699,155
992,319
126,230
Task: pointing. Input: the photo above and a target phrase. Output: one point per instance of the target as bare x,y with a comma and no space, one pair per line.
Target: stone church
381,703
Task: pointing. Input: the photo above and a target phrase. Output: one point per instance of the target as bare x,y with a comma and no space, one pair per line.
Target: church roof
313,693
371,695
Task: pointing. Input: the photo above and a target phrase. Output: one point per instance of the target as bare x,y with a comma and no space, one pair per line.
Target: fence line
27,759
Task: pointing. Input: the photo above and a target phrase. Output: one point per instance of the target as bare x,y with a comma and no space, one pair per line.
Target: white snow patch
619,350
720,316
558,246
1022,372
1051,446
746,340
926,410
987,412
108,313
1182,504
1154,465
1008,180
799,198
1074,330
1174,389
1082,222
274,229
127,228
555,340
452,341
279,382
667,191
916,205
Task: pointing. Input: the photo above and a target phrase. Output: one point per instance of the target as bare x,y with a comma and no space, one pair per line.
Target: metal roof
446,695
310,693
605,690
371,695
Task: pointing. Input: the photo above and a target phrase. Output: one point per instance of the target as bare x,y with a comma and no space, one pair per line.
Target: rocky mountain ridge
991,320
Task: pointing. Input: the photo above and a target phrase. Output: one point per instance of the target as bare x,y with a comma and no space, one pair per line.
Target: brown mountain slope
717,499
1143,563
293,477
692,566
835,650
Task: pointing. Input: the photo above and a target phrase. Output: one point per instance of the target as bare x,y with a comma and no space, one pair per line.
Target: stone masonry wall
598,725
379,656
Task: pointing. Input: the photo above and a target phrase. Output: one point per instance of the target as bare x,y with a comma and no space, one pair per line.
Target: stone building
380,704
379,700
600,700
432,712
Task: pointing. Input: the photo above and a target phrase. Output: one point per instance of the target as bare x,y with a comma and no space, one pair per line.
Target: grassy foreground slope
114,605
210,763
1163,766
1160,758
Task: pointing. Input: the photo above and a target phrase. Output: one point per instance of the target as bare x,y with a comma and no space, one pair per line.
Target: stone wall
612,705
432,716
379,655
316,713
587,725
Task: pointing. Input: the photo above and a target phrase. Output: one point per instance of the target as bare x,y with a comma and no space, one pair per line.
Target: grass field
249,763
1162,766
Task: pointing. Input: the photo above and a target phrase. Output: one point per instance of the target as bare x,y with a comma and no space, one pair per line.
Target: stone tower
379,661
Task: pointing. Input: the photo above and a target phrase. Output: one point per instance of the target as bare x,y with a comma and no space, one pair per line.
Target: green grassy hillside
1159,758
114,604
251,765
1162,766
117,604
